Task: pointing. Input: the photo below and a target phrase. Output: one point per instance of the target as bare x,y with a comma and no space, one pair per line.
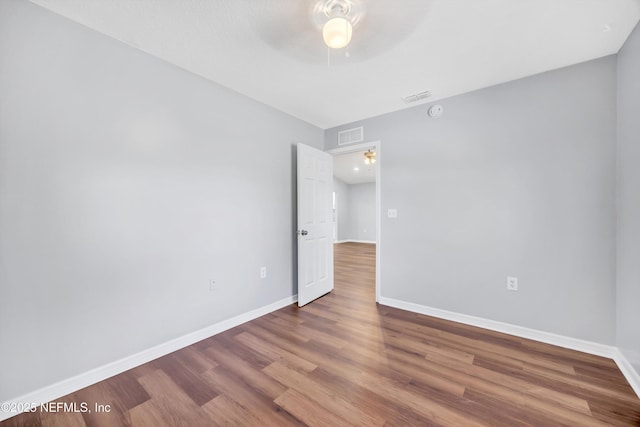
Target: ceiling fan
337,18
352,30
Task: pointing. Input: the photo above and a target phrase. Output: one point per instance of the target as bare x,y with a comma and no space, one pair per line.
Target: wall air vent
416,97
350,136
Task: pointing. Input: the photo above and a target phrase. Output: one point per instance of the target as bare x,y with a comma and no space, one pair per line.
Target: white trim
378,242
370,242
610,352
70,385
507,328
627,370
378,221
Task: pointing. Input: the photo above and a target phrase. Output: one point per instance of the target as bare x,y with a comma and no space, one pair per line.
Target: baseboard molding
533,334
590,347
370,242
62,388
628,371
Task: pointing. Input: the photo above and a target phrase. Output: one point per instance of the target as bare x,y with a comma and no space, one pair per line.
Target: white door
315,224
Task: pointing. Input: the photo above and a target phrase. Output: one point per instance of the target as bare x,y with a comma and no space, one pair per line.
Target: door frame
360,147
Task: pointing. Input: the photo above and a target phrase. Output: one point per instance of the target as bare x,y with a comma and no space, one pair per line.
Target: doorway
362,181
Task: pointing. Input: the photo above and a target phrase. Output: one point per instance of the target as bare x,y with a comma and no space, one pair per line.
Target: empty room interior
319,212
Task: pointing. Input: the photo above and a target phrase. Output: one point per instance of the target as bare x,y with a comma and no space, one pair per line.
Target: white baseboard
590,347
70,385
370,242
62,388
628,371
507,328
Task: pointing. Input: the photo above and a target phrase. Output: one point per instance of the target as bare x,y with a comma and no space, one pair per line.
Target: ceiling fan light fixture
369,157
337,32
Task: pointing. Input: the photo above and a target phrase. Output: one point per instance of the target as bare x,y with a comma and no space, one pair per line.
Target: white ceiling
344,168
272,50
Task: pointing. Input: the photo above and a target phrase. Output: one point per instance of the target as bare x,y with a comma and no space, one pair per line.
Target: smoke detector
435,111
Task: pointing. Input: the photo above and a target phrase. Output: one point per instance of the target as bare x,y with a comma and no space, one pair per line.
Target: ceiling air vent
416,97
350,136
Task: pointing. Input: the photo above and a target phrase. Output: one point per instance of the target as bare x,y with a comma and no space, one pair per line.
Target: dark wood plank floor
343,360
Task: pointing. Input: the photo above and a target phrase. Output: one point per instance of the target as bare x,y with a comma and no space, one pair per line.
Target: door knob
303,232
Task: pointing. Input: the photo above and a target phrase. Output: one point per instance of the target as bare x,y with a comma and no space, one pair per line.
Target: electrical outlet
212,285
512,283
263,272
392,213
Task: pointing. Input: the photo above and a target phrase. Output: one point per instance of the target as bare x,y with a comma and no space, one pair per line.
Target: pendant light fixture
337,31
369,157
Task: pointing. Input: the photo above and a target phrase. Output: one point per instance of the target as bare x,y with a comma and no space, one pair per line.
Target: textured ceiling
272,50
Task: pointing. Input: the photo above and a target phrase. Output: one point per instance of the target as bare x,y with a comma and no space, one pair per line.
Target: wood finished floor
343,360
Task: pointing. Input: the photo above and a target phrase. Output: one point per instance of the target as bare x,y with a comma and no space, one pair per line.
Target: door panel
315,224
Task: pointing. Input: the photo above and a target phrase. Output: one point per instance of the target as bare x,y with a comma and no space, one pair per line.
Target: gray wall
356,210
126,184
628,271
517,179
362,212
342,203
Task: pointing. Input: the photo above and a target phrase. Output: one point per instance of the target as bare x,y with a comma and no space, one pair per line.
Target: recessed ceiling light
356,169
606,28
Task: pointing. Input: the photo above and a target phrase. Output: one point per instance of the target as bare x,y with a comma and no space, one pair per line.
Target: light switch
392,213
